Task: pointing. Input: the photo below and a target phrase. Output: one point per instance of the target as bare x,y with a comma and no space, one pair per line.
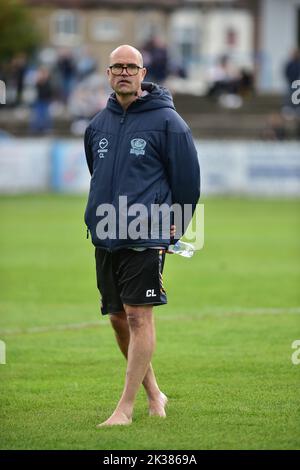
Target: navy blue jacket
146,154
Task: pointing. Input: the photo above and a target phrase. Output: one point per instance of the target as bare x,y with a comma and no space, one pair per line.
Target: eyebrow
124,65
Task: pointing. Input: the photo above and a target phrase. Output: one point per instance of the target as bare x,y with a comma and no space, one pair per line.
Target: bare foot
117,418
157,407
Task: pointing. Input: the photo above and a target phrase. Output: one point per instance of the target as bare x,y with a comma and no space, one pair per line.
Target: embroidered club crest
137,146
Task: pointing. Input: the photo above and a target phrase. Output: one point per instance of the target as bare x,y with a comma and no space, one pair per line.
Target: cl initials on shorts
150,293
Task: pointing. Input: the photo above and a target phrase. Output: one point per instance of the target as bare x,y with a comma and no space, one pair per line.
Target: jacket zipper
123,117
115,167
117,155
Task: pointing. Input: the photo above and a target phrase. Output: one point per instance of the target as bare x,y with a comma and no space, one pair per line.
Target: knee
135,322
138,318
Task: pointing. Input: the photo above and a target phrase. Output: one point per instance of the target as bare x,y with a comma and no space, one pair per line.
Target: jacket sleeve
88,150
183,172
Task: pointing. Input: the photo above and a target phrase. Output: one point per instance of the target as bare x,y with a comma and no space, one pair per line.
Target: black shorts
130,277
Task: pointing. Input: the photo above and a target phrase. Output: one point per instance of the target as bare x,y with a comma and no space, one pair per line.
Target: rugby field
224,341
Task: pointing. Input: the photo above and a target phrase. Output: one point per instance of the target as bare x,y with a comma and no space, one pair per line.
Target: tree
17,30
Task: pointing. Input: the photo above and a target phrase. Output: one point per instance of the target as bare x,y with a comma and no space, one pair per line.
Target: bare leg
157,399
140,350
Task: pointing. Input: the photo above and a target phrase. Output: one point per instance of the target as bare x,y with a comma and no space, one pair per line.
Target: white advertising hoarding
69,171
24,165
253,168
250,168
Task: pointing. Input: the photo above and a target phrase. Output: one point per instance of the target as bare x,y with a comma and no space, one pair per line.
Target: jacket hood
157,97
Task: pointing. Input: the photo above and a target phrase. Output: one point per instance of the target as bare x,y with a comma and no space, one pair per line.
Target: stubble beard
121,92
126,93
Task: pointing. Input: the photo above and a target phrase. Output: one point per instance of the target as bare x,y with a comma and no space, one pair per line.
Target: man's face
126,84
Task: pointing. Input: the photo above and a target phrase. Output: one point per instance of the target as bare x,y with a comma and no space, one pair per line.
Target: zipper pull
123,117
87,233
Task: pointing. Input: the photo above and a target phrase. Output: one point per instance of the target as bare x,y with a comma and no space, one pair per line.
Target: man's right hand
172,235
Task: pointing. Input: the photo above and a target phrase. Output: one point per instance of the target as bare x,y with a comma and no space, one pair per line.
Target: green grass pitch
223,352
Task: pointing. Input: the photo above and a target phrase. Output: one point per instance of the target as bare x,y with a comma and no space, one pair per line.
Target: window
149,24
186,38
106,29
65,28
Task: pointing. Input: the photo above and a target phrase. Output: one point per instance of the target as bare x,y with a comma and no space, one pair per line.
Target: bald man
139,149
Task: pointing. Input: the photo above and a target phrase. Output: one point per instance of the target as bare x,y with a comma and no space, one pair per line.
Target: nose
124,72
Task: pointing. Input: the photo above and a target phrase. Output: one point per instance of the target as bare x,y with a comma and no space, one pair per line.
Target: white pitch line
47,329
193,316
250,311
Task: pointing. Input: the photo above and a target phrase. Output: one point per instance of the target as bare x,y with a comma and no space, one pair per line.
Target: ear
144,72
108,71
